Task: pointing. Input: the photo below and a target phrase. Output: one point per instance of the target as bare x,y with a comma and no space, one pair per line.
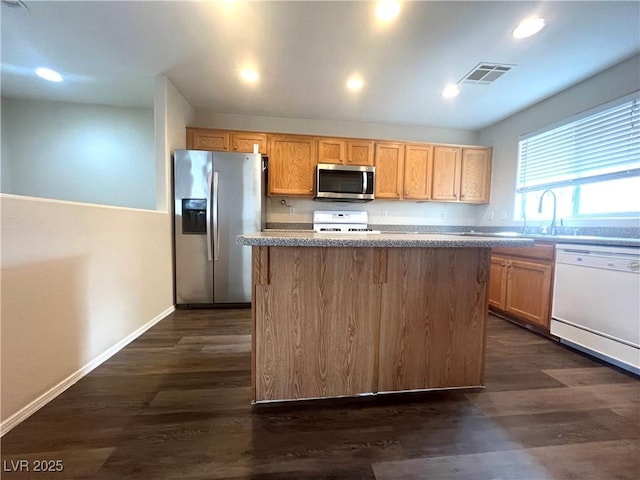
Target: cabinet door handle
235,147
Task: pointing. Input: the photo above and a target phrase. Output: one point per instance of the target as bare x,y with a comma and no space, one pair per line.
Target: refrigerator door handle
208,217
216,228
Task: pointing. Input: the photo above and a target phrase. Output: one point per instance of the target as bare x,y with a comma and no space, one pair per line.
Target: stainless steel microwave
346,183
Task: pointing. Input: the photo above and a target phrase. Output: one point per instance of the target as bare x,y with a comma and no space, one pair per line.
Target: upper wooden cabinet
243,142
446,173
389,162
331,150
292,165
411,171
225,140
348,152
475,175
418,169
360,152
208,139
461,174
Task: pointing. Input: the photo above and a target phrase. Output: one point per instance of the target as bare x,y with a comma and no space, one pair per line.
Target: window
591,164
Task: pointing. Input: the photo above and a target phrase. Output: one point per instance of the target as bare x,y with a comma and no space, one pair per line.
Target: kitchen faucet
553,220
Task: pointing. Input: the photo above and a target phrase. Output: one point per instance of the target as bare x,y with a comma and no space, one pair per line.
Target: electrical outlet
383,213
443,214
503,215
292,210
491,216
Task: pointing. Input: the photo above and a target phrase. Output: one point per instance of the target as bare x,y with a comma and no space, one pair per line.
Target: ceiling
110,52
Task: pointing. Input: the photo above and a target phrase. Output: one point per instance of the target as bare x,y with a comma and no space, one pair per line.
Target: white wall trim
82,204
56,390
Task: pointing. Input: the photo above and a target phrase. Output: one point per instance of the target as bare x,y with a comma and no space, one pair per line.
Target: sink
489,234
579,237
507,234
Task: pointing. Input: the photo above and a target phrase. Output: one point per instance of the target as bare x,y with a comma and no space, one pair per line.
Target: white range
342,221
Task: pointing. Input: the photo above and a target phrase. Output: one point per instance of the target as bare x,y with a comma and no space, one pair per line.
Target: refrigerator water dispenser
194,216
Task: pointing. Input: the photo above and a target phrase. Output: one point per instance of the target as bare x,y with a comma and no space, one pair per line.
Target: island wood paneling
434,310
316,322
334,322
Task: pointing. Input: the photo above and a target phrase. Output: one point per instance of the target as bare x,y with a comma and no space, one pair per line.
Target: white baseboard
52,393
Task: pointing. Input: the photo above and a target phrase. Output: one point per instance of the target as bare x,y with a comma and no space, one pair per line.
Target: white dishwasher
596,301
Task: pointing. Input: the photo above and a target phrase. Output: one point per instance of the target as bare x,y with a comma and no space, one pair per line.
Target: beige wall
76,280
307,126
397,212
80,281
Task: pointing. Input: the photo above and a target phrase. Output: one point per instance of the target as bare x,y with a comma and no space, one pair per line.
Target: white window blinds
600,146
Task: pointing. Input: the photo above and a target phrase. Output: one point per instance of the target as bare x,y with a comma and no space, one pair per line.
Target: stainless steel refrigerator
217,196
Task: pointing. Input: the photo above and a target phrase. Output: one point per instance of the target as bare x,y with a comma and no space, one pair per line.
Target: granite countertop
416,240
590,239
576,239
587,240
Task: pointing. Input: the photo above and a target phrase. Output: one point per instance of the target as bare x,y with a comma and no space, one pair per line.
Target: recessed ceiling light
450,91
529,26
249,75
48,74
355,83
387,10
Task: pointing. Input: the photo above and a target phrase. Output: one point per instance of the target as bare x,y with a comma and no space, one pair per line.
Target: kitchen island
344,315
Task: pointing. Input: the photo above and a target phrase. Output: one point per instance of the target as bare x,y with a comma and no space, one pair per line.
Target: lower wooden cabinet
498,282
520,285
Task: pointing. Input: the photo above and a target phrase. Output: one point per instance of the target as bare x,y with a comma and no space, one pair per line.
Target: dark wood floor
174,404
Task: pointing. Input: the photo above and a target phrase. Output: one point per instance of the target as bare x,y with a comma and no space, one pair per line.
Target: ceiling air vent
486,73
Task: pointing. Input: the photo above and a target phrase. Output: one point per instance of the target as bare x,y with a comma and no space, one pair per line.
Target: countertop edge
308,239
